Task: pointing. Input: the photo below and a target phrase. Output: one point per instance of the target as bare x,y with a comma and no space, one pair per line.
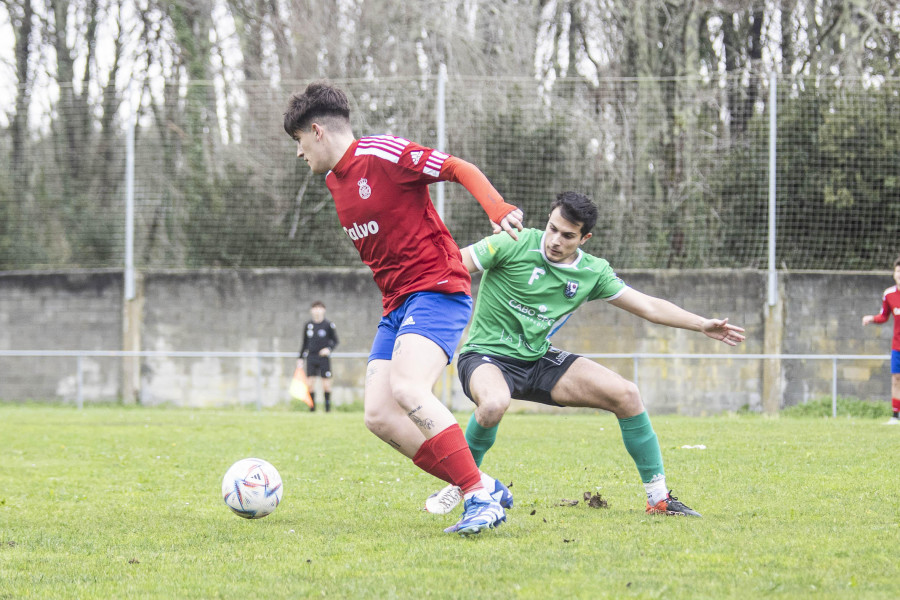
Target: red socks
447,457
895,403
424,459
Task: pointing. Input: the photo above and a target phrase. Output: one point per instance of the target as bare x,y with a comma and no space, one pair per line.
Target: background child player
890,305
319,341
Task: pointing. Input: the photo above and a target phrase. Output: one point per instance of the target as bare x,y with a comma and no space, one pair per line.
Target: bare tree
21,16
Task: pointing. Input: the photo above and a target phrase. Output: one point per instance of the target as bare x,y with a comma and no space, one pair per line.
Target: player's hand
324,351
510,223
868,319
722,330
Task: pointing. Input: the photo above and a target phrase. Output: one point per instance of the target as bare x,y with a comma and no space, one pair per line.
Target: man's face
562,238
311,149
897,275
317,313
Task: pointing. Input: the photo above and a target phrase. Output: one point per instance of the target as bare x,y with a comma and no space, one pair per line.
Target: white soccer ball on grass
252,488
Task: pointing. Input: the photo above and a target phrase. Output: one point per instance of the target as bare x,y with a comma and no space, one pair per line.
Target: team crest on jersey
364,190
416,156
571,288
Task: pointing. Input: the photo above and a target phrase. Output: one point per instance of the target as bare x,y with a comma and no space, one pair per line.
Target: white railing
80,355
636,357
834,358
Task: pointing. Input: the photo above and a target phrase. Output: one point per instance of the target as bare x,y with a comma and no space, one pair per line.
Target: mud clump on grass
595,500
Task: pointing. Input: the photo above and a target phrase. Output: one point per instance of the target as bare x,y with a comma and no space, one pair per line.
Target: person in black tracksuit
319,340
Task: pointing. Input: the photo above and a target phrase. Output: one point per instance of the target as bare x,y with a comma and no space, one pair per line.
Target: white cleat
893,421
444,501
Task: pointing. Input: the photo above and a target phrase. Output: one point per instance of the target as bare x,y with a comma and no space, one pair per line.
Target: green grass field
125,503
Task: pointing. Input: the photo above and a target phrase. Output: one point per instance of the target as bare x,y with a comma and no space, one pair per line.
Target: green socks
641,443
480,439
637,433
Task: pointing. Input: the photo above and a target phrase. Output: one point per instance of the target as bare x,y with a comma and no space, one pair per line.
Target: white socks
656,489
488,482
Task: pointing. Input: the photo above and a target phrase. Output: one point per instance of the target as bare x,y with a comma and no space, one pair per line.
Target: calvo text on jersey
360,231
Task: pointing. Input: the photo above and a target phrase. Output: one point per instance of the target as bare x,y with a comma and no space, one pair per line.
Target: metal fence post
834,387
773,136
441,132
259,383
634,371
129,211
79,382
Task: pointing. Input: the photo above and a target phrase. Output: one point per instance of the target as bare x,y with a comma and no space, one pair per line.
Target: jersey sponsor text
532,314
360,231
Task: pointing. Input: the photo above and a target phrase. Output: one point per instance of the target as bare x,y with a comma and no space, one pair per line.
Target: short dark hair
317,303
897,262
321,100
577,208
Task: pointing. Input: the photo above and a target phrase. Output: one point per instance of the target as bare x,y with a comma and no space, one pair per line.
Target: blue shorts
441,318
895,361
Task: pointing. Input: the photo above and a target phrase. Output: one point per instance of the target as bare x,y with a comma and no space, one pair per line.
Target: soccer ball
252,488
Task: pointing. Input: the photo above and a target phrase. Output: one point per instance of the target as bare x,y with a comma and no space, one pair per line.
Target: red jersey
890,304
380,190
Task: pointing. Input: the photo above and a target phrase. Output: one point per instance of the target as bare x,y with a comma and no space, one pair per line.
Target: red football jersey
890,305
380,190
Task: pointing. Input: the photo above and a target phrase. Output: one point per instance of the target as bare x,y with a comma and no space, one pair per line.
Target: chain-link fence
679,167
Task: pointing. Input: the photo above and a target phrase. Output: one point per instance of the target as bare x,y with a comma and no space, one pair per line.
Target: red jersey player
380,189
890,304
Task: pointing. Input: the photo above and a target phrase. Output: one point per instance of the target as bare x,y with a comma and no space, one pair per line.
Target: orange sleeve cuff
471,178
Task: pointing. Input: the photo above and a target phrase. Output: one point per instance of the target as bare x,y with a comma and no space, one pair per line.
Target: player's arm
881,317
304,348
503,216
663,312
468,261
330,341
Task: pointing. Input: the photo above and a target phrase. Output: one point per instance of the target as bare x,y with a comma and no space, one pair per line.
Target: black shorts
318,366
527,380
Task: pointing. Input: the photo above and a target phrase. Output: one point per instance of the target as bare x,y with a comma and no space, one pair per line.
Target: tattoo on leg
427,424
396,348
370,372
394,444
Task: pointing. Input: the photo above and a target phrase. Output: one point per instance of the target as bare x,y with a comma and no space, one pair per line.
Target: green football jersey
523,298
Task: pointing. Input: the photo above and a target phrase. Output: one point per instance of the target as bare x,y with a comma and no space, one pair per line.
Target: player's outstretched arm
663,312
503,216
722,330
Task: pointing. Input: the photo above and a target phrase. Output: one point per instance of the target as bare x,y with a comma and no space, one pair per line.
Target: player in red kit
380,189
890,305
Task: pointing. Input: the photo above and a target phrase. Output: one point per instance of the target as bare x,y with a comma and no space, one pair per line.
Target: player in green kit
528,290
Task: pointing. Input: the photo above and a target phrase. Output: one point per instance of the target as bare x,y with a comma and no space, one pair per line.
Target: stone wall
263,311
60,311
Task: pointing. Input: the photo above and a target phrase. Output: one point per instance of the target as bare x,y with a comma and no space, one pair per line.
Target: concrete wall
264,310
686,386
823,315
56,311
248,311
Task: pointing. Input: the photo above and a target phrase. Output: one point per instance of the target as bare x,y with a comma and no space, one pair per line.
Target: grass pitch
125,503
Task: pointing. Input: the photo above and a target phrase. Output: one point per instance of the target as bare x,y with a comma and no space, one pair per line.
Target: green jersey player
528,290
